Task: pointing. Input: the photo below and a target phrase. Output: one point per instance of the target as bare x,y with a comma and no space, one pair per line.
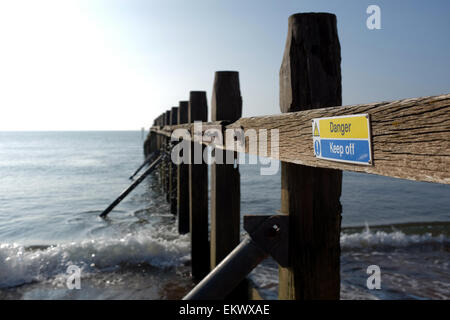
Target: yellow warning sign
316,131
343,138
345,127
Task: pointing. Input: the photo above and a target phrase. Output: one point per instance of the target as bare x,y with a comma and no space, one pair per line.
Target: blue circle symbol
317,147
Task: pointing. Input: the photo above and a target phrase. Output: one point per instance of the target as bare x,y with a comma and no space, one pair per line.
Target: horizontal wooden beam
410,137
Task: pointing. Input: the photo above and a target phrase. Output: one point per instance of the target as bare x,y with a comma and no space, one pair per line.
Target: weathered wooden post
226,104
198,192
163,148
183,178
147,145
167,163
173,169
150,145
160,147
310,77
167,117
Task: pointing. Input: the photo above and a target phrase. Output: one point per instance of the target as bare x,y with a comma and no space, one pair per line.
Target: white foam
19,266
265,275
396,238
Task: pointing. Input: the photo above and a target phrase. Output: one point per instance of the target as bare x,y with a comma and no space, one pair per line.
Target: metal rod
146,161
131,187
229,273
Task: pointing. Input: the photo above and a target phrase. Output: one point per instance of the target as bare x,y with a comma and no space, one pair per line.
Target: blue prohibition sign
317,147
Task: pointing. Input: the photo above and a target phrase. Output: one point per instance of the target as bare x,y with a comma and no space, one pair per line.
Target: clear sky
117,64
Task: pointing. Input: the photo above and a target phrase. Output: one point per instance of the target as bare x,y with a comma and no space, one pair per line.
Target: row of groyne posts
410,140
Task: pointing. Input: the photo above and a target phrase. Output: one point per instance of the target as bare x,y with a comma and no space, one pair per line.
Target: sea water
53,186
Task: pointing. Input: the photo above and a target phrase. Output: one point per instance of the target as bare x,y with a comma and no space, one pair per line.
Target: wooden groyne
410,139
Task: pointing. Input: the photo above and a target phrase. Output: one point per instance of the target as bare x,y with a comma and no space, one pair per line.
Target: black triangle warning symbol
316,130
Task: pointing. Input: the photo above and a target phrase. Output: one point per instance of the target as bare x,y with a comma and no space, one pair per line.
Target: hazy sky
100,65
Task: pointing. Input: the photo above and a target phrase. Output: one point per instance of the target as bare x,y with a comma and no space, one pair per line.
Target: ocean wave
20,265
27,264
382,239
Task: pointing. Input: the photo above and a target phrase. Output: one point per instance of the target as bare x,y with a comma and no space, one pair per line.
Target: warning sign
345,139
316,131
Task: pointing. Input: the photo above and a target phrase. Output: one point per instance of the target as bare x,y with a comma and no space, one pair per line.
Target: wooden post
226,104
168,162
160,147
163,148
310,78
173,169
152,142
198,192
147,147
149,144
183,179
167,117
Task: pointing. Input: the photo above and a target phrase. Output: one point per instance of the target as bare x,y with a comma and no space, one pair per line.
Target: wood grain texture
183,179
226,104
410,137
198,194
310,78
226,96
173,116
173,168
160,143
167,164
312,43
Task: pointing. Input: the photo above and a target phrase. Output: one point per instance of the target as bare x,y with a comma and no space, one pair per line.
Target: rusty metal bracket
271,233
